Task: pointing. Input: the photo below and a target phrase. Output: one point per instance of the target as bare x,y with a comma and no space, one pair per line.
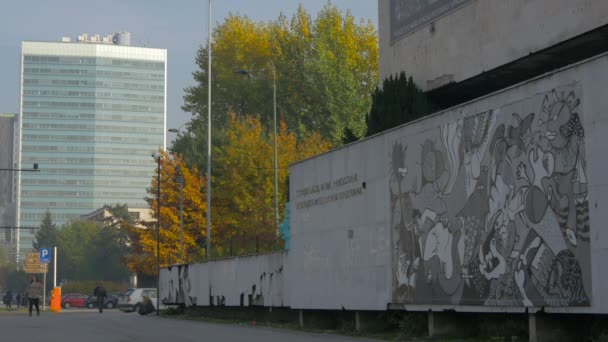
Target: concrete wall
493,206
478,36
340,236
490,206
252,280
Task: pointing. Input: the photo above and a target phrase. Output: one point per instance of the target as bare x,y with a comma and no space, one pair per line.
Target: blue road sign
45,255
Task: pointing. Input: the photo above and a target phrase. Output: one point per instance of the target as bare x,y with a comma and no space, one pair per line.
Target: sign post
45,255
54,267
45,259
33,265
56,298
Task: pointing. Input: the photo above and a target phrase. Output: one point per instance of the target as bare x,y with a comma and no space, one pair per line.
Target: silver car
131,300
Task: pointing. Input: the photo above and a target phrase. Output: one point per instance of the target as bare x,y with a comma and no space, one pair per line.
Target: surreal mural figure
492,209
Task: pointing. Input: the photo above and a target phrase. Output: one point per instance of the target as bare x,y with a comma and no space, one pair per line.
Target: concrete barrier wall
496,205
249,280
490,206
340,232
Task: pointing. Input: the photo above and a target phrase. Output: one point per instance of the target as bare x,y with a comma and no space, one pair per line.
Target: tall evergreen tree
399,101
46,236
119,216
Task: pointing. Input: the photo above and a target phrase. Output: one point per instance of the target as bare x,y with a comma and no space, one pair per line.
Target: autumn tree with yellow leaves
243,197
142,258
326,71
243,208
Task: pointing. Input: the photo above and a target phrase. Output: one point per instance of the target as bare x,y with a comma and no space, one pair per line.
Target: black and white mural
492,209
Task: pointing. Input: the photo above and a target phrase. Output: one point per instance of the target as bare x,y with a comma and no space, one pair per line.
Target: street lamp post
209,41
180,180
276,163
157,157
274,114
208,250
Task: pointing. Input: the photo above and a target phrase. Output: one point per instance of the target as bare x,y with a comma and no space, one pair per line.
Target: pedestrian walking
100,293
34,292
18,301
8,299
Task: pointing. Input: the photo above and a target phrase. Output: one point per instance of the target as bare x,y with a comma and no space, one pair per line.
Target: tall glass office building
92,113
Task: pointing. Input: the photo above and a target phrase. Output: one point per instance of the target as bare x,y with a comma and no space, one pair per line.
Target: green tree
326,71
398,101
16,280
75,242
92,251
119,215
46,236
331,66
107,255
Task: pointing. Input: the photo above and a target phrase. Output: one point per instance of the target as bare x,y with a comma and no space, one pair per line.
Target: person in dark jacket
24,300
8,298
100,293
34,292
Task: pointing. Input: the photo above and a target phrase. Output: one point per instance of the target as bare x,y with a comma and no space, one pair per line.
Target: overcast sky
180,26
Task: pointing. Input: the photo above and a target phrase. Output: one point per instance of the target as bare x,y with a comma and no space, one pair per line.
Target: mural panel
492,209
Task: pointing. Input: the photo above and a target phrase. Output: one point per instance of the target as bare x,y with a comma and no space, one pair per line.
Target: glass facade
91,123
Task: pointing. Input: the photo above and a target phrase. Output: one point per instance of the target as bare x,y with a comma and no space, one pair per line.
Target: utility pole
209,139
181,180
276,163
157,157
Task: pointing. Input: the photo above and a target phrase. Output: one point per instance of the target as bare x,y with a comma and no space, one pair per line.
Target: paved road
115,326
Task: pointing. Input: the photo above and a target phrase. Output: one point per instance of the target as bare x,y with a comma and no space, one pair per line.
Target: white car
131,300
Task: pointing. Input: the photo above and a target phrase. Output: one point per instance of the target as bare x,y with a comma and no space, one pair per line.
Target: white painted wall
331,271
341,253
339,256
483,35
260,276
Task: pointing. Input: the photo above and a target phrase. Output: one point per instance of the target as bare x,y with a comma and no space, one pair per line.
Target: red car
73,300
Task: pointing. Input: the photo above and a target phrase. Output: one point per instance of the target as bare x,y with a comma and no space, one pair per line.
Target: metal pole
54,267
209,139
181,215
44,287
158,239
276,164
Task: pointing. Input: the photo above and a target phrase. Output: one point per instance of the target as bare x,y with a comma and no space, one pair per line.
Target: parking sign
45,255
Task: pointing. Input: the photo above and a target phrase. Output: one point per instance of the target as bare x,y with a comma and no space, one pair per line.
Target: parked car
73,300
111,301
131,300
115,294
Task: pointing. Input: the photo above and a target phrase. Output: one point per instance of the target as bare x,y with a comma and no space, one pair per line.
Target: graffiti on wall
179,287
241,281
492,209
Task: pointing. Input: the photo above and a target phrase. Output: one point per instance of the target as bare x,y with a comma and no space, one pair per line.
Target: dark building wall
7,208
